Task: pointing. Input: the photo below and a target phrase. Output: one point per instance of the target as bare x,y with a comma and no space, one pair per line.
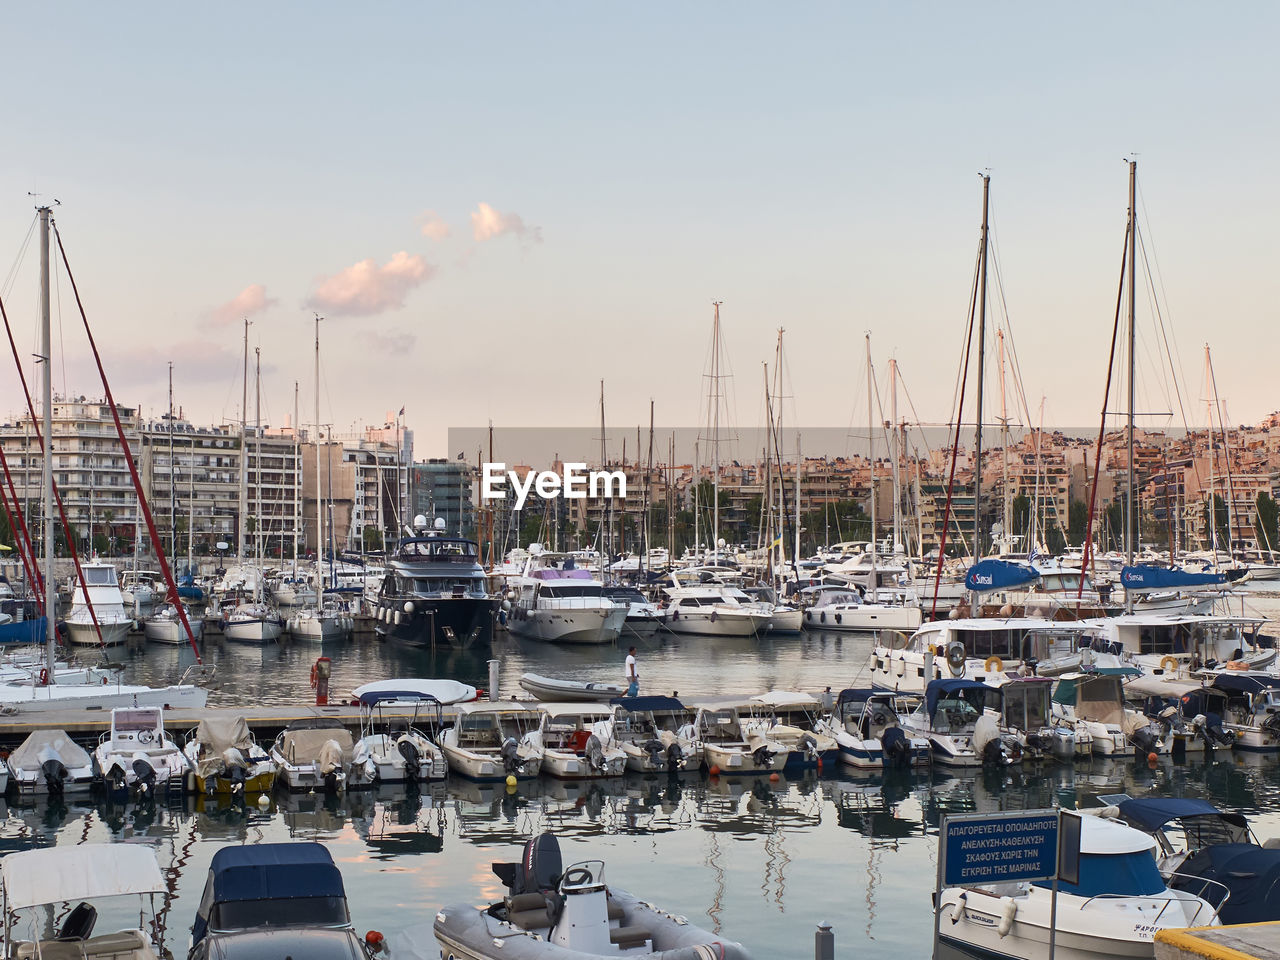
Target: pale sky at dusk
496,207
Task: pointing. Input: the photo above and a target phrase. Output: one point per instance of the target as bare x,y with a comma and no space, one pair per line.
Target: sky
495,207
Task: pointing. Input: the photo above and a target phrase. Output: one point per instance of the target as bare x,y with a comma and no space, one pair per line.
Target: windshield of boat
293,911
1026,705
99,576
1114,875
560,591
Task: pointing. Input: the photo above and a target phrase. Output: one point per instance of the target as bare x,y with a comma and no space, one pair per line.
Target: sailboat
325,620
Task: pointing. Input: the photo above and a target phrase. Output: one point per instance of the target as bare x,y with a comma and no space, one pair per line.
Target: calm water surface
763,862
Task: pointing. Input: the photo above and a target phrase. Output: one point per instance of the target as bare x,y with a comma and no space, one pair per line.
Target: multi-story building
442,489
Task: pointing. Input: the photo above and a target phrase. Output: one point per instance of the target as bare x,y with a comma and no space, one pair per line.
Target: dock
1246,941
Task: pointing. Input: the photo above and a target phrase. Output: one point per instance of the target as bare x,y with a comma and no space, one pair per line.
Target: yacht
868,732
948,718
715,611
1185,644
252,623
644,618
435,592
103,587
165,626
1093,702
841,608
329,620
563,604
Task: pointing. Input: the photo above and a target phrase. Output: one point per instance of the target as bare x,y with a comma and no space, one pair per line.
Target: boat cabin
866,713
1095,696
954,706
1026,703
137,730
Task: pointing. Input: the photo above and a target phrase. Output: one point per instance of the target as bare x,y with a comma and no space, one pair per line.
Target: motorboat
392,748
1026,713
50,763
227,759
313,754
1184,644
551,912
1240,710
113,622
142,589
559,602
1120,902
137,758
573,738
783,617
165,626
1093,703
413,689
486,743
261,898
93,689
957,717
646,729
34,884
791,719
644,618
841,608
324,622
975,648
252,623
715,611
868,733
725,743
435,591
556,690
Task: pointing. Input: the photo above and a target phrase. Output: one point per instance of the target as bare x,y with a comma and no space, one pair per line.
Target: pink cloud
487,223
251,300
364,288
433,225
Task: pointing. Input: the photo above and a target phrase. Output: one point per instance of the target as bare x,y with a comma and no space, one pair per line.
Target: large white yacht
559,602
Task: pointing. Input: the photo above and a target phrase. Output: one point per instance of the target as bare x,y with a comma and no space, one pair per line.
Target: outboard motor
1210,728
594,751
675,755
1146,740
539,868
145,784
55,776
809,745
412,758
511,762
234,765
654,753
762,756
896,749
1040,744
116,778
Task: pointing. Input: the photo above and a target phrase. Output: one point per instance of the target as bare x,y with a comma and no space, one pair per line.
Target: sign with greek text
1000,847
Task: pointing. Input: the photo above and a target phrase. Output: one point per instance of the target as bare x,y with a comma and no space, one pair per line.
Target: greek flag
1034,555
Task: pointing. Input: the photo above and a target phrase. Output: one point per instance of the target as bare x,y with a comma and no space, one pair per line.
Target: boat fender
397,618
1169,665
1009,911
713,615
408,606
994,665
837,618
824,616
44,678
962,903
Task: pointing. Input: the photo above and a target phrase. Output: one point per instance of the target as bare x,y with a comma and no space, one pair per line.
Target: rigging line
62,350
1012,351
1181,375
19,258
923,438
128,459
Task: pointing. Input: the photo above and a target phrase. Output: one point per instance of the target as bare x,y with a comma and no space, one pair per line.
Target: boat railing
1170,897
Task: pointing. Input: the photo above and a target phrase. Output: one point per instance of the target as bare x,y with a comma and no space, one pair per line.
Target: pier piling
824,942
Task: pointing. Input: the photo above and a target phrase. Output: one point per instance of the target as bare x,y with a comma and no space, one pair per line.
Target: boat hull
320,629
171,631
253,631
718,626
484,768
84,635
564,626
462,620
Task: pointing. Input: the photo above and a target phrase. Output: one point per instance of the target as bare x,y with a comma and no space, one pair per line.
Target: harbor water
761,861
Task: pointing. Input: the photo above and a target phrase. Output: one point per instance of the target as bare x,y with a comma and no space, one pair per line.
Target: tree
1054,541
1077,521
1019,518
372,539
1268,522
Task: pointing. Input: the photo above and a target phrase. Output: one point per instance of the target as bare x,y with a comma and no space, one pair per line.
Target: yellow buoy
511,781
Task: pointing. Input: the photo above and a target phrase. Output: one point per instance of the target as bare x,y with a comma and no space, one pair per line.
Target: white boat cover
85,872
216,735
446,691
320,746
42,744
781,699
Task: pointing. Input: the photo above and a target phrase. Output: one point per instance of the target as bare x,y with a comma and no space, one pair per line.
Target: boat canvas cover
988,575
1143,577
1251,684
783,699
1251,873
374,697
42,745
274,871
308,744
1152,813
446,691
217,735
648,704
32,878
1115,860
856,695
954,690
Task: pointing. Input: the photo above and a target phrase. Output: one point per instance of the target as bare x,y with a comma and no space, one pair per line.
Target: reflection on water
764,861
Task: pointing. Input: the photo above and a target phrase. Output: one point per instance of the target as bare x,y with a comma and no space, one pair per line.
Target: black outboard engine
675,755
1212,732
236,774
594,751
1146,740
116,778
412,758
896,748
55,776
539,868
655,753
1039,744
511,762
762,756
145,785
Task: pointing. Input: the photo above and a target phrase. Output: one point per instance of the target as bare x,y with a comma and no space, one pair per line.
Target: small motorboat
561,691
413,689
227,759
137,757
791,720
868,733
392,749
50,762
1115,909
958,718
35,886
274,899
488,744
550,912
646,729
573,738
725,744
313,754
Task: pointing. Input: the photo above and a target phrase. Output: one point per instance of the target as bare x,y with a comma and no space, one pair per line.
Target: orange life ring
44,677
313,676
998,665
1169,665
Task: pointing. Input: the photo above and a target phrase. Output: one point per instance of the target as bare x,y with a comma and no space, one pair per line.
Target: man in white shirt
633,676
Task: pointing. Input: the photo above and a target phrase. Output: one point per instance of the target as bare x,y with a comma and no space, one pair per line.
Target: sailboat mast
895,452
173,477
715,432
244,447
871,460
297,473
1006,507
319,499
1131,516
257,452
46,473
982,345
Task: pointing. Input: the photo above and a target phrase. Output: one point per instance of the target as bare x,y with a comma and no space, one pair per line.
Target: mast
191,504
896,454
872,584
297,473
257,452
46,473
244,447
982,345
319,499
173,479
1131,516
1006,507
795,557
715,432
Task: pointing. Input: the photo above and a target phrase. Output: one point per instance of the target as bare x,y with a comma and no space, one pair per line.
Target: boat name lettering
575,483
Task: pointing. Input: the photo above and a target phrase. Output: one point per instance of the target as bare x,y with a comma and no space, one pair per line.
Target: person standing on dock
633,677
